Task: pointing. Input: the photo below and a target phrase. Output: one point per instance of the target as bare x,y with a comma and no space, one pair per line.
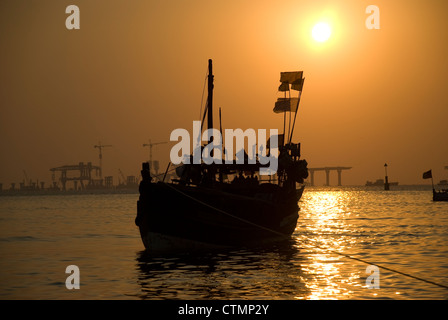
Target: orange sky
135,71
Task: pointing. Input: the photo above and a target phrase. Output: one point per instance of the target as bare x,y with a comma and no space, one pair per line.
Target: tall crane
26,177
122,176
150,145
100,148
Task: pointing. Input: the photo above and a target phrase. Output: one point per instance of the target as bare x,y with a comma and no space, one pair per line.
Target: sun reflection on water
325,226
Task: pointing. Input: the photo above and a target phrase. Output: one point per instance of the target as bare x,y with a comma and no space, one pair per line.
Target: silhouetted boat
204,210
441,195
300,191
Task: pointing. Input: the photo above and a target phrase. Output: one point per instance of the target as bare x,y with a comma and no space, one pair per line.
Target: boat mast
210,98
211,171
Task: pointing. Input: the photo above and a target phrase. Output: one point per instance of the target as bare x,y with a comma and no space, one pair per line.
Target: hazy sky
135,71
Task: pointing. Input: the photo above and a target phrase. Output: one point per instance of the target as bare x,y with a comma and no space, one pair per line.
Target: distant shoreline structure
76,179
45,192
115,190
379,183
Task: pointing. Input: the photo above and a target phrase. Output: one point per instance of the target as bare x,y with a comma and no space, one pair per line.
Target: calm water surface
401,229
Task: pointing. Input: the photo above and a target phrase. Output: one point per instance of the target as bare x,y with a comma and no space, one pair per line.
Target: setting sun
321,32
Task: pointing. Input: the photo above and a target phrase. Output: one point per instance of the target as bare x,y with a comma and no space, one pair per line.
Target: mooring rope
315,245
380,266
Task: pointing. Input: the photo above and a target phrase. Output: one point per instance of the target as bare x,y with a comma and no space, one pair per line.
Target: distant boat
379,183
203,209
441,195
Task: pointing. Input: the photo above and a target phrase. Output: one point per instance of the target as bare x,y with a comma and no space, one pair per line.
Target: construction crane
122,176
26,177
150,145
100,148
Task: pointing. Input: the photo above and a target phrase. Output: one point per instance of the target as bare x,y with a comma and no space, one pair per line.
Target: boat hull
175,217
440,195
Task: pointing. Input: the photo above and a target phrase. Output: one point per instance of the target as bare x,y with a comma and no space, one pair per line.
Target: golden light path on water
324,216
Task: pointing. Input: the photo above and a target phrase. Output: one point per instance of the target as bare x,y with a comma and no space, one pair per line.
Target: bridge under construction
327,174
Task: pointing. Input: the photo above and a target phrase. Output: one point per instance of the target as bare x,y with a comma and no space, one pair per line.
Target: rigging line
205,113
226,213
295,115
161,174
284,122
203,90
289,127
381,266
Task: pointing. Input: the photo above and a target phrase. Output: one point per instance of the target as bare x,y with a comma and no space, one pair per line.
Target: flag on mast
286,105
284,87
295,79
427,175
291,77
298,85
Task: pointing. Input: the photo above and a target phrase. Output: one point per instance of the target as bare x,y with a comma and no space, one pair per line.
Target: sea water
340,233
